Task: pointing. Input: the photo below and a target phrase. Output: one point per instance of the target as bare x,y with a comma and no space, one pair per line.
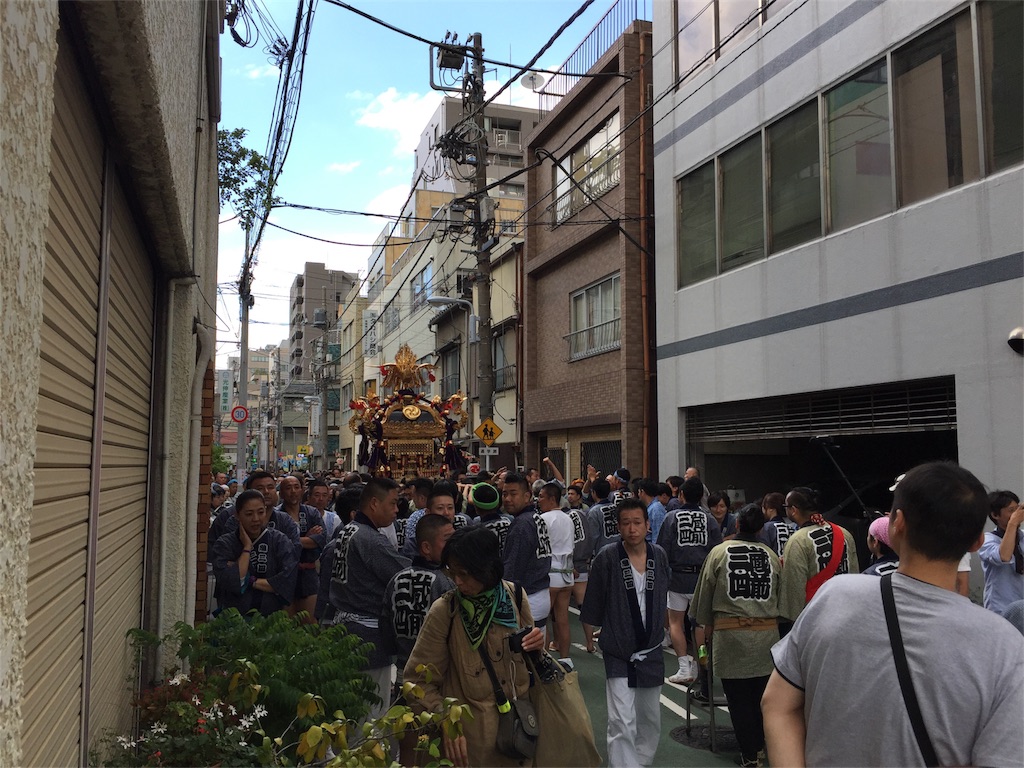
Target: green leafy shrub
293,658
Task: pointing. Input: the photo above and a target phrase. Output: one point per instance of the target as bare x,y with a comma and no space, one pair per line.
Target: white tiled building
839,206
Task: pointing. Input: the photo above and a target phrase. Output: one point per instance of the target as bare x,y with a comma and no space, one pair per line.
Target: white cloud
405,116
343,168
389,202
358,95
255,72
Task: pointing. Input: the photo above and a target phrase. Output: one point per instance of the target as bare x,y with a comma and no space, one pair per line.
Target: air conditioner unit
320,319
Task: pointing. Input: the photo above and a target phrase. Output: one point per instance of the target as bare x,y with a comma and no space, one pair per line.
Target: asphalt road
673,712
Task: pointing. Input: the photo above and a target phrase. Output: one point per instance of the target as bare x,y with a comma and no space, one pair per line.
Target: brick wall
566,399
203,504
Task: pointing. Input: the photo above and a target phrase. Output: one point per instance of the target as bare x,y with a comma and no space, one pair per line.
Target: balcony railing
449,385
603,337
501,138
504,378
601,38
596,184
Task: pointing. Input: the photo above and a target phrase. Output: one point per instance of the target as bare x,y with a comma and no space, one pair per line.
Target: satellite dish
531,80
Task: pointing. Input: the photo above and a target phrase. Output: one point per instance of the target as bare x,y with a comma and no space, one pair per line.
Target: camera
515,640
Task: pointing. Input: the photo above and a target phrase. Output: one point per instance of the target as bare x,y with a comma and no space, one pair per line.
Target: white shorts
559,580
677,601
540,605
581,578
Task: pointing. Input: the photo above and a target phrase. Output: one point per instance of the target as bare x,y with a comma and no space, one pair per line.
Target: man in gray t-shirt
835,698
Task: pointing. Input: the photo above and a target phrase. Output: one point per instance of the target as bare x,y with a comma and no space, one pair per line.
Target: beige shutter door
51,708
123,472
82,355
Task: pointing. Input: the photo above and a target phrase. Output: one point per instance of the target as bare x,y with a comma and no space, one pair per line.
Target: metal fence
594,45
599,338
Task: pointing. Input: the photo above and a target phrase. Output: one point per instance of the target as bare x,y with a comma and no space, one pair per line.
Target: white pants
540,606
634,723
382,677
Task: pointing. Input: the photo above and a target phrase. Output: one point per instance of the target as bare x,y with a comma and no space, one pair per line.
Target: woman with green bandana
480,613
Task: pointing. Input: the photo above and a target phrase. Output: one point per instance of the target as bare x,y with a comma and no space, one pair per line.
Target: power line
425,41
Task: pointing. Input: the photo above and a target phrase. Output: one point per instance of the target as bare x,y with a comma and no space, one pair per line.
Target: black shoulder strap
899,655
499,695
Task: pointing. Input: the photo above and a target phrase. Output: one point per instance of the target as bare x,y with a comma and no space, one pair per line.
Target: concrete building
348,373
108,188
425,255
315,296
840,191
588,393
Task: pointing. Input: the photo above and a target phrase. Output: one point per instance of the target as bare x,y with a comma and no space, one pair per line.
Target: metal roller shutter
910,406
124,469
86,556
55,637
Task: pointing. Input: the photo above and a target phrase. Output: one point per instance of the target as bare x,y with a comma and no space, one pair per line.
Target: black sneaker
700,697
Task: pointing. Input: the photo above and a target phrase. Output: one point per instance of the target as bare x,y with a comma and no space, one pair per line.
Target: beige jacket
459,672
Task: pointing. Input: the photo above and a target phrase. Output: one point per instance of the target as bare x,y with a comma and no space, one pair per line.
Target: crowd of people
441,572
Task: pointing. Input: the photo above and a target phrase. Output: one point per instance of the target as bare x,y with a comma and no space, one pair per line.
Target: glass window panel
936,117
696,34
742,204
732,14
697,241
772,7
794,179
859,151
1002,80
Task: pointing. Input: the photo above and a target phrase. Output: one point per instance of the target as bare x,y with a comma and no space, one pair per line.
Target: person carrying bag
566,733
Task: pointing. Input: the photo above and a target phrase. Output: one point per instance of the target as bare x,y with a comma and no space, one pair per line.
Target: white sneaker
687,671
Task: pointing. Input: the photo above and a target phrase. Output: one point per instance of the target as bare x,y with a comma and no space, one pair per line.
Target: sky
366,98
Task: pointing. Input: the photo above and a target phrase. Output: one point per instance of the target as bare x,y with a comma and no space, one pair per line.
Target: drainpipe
645,299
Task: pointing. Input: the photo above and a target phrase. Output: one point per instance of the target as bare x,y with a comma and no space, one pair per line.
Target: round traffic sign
239,414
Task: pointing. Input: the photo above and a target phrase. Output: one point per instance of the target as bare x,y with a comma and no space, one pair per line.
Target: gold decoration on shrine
405,372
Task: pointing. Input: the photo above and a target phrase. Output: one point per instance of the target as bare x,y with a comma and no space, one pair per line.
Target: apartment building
587,391
840,261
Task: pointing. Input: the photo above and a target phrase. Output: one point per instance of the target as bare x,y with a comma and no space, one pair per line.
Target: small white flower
178,679
125,742
158,728
232,710
259,711
246,722
243,744
142,738
196,700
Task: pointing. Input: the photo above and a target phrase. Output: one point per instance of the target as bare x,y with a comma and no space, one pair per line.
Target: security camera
1016,340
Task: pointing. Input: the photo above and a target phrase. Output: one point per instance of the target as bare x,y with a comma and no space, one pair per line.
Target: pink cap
880,530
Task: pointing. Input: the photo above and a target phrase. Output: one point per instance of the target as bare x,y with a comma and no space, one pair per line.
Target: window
420,288
742,192
346,396
595,319
505,360
427,388
370,388
450,372
512,190
794,158
392,318
1002,82
705,29
509,227
936,118
698,246
593,165
859,150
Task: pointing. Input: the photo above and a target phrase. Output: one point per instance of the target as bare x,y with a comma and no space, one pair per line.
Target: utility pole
245,301
482,239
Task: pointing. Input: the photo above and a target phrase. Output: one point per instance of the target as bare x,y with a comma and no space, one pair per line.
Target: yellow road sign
488,432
